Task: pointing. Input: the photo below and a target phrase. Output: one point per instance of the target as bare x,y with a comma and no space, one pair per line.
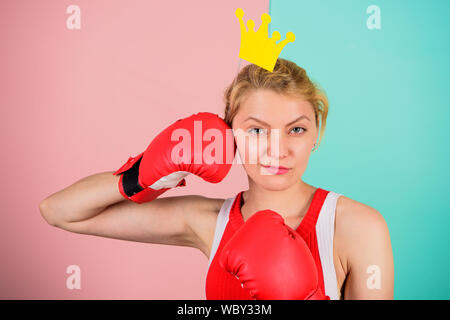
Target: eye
298,130
257,131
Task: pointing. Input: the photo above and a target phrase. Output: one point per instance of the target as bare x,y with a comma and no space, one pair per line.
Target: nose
278,145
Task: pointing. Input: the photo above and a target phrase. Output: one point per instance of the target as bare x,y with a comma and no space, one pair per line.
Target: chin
275,182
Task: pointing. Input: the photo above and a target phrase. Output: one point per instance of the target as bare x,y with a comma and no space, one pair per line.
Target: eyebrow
265,123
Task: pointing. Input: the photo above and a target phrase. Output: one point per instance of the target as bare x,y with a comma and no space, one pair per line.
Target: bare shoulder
351,213
364,249
357,227
202,222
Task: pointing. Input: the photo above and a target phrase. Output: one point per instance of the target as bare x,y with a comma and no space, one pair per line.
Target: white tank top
324,232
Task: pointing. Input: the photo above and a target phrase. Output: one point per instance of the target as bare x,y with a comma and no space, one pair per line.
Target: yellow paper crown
257,47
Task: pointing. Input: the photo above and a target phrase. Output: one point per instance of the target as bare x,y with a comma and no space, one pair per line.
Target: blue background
386,140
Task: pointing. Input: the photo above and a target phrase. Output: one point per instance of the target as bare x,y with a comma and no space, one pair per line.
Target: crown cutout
257,47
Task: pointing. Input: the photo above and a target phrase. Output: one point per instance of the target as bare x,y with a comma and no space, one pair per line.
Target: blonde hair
287,78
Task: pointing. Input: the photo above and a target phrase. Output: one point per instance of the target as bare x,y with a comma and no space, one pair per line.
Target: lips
276,170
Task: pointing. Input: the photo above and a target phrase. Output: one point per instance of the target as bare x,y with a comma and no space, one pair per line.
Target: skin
259,114
94,205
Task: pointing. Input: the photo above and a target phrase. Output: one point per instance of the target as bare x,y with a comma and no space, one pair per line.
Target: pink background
78,102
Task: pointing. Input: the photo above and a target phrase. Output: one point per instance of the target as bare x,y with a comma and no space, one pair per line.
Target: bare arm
94,205
82,200
365,237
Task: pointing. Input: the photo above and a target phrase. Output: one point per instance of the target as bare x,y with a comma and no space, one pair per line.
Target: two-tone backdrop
86,84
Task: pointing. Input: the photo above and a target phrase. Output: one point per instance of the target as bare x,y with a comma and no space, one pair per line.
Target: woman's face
274,136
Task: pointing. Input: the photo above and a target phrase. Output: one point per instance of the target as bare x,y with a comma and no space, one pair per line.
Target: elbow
46,213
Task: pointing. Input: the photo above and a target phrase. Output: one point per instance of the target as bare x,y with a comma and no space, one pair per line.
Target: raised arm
124,205
95,206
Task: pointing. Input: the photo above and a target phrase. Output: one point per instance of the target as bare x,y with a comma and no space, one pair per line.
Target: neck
291,202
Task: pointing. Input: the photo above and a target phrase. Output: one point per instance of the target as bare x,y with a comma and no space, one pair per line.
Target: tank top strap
236,218
309,221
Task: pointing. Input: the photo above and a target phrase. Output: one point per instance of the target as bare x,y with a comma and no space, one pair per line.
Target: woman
348,240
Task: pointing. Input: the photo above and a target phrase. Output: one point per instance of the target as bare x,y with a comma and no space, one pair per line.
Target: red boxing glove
271,260
167,161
